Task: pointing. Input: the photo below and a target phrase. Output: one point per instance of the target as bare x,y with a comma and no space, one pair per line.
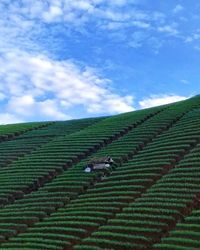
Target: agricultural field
149,200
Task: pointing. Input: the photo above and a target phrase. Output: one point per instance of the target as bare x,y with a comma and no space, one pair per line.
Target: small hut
99,164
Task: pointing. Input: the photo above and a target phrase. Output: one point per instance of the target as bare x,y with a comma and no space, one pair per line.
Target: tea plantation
149,200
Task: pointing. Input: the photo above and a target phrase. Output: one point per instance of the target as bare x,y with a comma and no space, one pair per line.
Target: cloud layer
29,19
37,84
34,86
156,100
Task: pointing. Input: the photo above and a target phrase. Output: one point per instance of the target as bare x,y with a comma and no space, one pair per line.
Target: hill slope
150,200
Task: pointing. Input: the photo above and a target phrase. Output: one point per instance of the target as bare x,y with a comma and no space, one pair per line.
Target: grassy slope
149,201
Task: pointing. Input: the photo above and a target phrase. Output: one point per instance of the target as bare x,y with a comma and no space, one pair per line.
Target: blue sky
66,59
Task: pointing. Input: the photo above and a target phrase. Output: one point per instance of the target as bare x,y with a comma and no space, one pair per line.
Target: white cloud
36,85
6,118
178,8
155,44
23,24
114,104
23,104
2,96
195,36
168,29
140,24
137,39
184,81
77,13
32,84
54,13
156,100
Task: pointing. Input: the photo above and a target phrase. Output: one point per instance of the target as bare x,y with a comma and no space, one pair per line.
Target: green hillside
150,200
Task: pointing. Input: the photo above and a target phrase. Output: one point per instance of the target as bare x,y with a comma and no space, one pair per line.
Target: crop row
62,128
88,211
13,149
185,235
49,163
21,164
11,130
149,216
52,203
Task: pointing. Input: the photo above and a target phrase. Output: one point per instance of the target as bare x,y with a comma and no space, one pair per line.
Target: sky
69,59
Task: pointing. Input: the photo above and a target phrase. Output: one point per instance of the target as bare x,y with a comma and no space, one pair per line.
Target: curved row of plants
42,165
9,131
88,212
32,138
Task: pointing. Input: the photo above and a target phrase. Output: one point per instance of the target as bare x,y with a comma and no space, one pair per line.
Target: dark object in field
99,164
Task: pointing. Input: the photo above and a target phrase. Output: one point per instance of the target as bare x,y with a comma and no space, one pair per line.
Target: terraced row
185,236
27,142
31,171
10,131
80,217
62,128
166,200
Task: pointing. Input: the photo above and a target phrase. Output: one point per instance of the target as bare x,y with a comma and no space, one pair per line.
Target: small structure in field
100,163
